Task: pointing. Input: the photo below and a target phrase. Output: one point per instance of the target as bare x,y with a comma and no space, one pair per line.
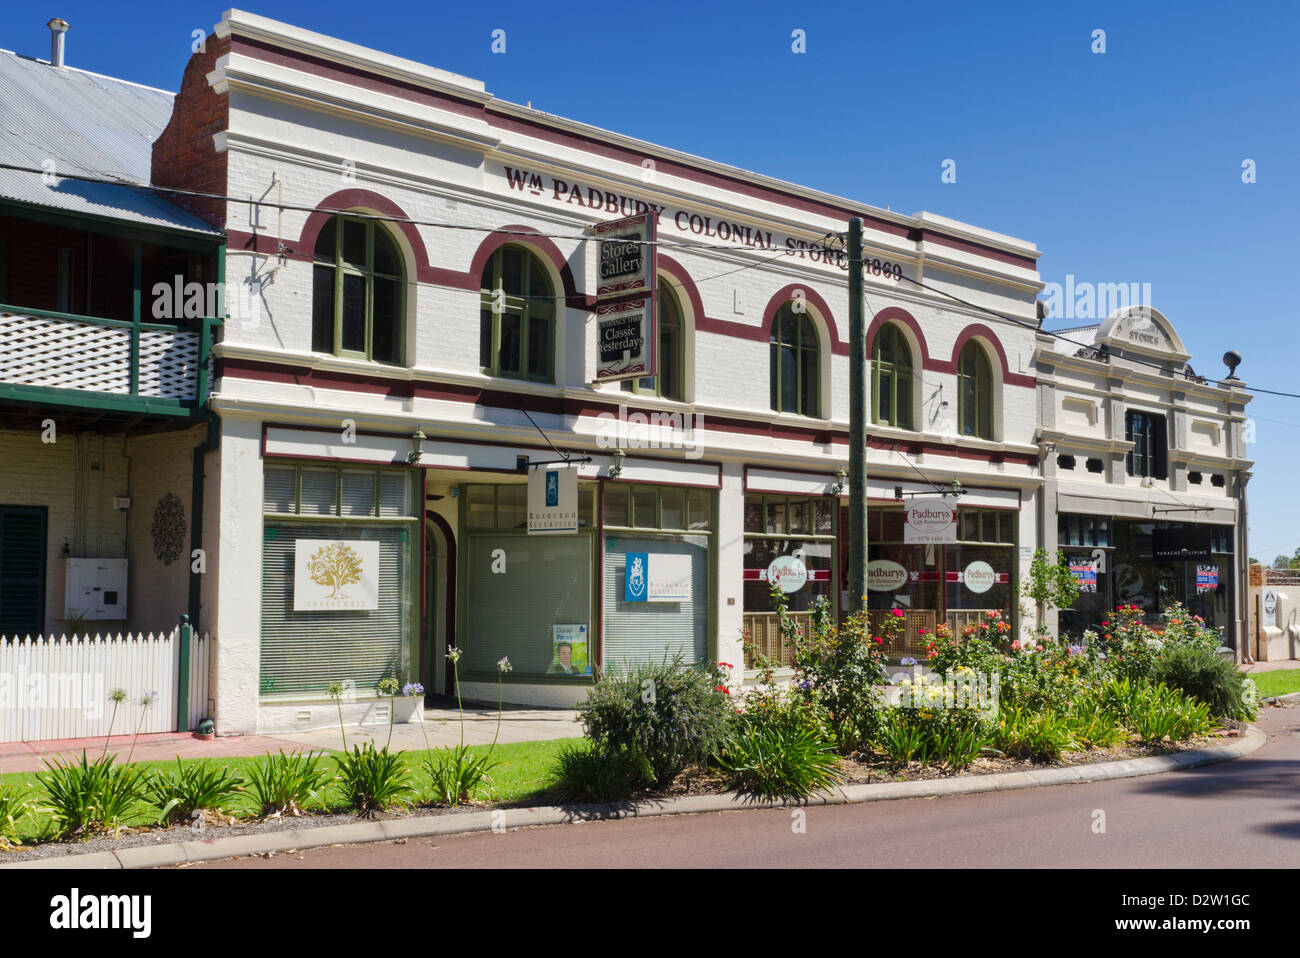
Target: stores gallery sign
607,202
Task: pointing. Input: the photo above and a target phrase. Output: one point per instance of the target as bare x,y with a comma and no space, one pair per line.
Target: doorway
439,606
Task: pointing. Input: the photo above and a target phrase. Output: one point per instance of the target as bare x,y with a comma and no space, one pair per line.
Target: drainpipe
58,28
1243,562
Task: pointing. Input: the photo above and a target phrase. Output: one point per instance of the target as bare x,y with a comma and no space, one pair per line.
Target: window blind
302,652
637,631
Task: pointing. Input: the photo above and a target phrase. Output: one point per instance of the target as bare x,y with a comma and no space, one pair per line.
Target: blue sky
1123,166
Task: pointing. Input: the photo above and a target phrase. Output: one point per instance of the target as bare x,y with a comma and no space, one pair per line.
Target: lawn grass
1277,682
521,772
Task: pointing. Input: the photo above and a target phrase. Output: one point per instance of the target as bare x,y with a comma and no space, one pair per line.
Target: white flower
503,664
453,654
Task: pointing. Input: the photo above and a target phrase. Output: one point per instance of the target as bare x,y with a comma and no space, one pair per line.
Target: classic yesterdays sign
553,501
624,340
930,521
335,575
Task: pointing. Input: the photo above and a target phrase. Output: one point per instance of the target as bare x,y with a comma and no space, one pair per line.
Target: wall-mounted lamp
616,463
956,490
417,446
841,478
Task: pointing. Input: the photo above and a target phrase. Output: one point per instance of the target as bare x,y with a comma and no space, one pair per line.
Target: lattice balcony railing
60,352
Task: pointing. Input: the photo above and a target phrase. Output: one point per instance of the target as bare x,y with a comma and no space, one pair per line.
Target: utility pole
859,401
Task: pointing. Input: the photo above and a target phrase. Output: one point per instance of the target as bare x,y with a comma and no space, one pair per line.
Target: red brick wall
184,155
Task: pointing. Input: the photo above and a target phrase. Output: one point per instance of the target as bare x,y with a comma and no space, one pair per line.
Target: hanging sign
553,500
1207,578
625,340
1084,571
626,262
884,575
657,577
930,521
335,575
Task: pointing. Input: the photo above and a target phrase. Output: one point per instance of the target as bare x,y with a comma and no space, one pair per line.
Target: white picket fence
58,688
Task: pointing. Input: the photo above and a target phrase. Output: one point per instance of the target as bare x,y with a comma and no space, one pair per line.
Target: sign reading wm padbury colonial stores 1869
625,316
335,575
553,500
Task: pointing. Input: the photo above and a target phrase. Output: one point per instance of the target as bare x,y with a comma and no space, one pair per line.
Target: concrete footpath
510,818
441,726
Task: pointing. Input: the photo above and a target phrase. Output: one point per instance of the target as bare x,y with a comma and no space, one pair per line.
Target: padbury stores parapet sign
591,198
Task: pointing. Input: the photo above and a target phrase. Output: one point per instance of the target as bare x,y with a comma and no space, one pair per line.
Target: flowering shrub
841,669
974,650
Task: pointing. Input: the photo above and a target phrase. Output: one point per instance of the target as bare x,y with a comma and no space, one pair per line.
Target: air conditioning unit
96,588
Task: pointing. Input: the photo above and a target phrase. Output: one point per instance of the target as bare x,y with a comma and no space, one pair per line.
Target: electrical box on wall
96,588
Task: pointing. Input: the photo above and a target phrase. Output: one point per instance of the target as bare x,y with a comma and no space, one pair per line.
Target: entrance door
439,606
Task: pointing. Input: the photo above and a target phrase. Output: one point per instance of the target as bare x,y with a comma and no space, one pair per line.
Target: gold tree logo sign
333,575
334,566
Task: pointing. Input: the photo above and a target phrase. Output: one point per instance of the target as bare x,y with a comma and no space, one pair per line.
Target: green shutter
22,570
302,652
636,631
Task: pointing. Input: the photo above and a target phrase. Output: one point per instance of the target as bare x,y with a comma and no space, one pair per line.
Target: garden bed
699,781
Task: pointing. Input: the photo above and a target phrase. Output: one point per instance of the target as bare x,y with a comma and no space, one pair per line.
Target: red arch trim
787,293
896,314
345,200
505,235
683,286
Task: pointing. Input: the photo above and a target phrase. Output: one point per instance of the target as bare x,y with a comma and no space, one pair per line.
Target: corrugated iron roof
89,125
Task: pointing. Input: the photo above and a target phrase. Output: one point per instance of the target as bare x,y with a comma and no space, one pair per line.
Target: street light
841,478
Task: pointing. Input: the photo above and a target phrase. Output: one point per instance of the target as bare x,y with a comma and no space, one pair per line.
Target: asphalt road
1244,813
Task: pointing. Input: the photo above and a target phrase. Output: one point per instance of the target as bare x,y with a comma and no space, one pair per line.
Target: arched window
670,383
796,363
974,392
357,287
891,378
517,317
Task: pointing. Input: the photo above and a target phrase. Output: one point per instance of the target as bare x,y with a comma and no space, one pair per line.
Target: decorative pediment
1141,329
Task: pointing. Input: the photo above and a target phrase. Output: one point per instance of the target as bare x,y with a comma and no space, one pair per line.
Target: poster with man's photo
569,651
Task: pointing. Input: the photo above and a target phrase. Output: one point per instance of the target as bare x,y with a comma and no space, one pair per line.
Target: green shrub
81,797
455,773
1167,713
582,773
288,784
778,761
14,806
927,726
374,779
188,788
901,740
1202,673
1037,736
1091,726
674,715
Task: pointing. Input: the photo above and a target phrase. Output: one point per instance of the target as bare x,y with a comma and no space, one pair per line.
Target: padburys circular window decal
979,576
168,529
788,572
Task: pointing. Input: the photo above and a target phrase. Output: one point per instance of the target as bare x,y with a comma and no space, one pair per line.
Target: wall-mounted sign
884,575
1084,570
1268,609
788,573
657,577
335,575
1207,578
625,340
569,651
1190,544
626,264
553,500
930,521
979,577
